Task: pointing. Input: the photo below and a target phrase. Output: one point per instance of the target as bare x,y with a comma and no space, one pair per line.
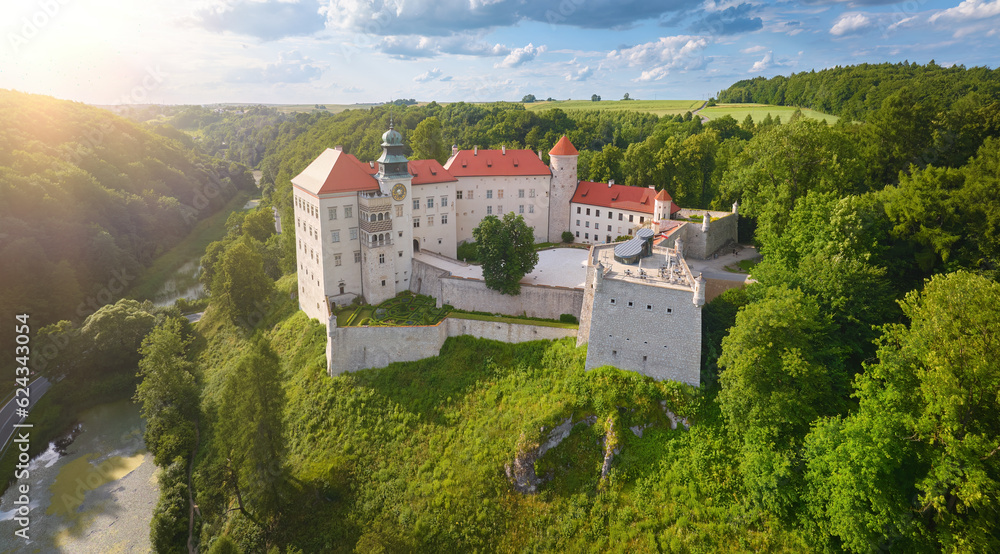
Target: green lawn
658,107
503,319
760,111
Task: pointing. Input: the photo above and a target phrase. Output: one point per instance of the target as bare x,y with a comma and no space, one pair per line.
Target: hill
758,112
657,107
88,200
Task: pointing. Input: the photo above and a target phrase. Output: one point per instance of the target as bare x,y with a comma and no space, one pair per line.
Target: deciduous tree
507,250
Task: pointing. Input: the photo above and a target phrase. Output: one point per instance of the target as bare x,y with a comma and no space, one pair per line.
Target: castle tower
385,219
562,161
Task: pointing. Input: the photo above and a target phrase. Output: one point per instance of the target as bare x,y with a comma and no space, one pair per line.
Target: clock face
398,192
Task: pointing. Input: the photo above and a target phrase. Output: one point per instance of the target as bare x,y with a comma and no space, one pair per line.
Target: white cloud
681,52
850,23
428,75
763,64
753,49
581,74
519,56
969,10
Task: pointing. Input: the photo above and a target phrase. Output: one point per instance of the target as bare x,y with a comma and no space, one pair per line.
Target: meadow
657,107
760,111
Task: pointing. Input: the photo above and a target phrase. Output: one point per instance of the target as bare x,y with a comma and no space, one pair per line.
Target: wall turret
563,159
699,291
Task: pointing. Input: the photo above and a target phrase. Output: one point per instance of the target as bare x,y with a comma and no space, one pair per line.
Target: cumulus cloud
765,63
682,52
753,49
412,47
851,23
581,74
291,67
268,20
969,11
428,75
444,17
520,56
729,21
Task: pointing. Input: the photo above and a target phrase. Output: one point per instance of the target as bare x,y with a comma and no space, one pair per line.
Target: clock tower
387,248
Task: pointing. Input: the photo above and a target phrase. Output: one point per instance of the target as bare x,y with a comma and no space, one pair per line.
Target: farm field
658,107
760,111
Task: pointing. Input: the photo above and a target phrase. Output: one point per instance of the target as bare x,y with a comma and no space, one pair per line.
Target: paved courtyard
562,267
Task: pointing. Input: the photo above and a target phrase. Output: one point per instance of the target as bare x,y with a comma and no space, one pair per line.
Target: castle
360,229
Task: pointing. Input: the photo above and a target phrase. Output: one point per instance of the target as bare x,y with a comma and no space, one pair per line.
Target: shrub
567,236
568,318
468,251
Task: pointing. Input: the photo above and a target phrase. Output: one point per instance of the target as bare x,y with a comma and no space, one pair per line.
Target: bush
567,236
568,318
468,251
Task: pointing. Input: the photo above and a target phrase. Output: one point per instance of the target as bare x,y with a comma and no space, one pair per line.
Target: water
183,284
99,497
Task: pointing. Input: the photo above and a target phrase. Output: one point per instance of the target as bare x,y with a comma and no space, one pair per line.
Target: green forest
848,398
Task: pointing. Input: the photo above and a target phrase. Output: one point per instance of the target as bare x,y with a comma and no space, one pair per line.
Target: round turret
392,137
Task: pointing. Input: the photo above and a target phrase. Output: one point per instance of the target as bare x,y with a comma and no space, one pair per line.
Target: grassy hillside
760,111
658,107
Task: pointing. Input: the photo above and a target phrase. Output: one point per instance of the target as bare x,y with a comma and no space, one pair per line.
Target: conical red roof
563,148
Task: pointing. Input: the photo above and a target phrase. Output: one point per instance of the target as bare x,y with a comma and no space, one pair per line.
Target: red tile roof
619,197
428,171
335,171
563,148
496,163
664,196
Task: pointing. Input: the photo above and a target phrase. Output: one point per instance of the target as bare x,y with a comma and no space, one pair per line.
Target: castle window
614,352
609,230
631,304
588,211
336,259
670,310
444,219
586,224
578,223
381,258
458,195
500,193
642,219
531,209
520,193
469,196
597,213
609,214
400,253
399,211
649,307
354,233
586,236
430,221
357,256
489,194
383,282
489,210
348,211
430,202
333,212
416,203
444,201
619,217
612,301
335,236
531,193
416,222
578,234
643,359
499,209
520,209
630,216
379,216
578,210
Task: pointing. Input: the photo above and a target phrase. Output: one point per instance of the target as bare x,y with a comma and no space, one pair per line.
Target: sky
356,51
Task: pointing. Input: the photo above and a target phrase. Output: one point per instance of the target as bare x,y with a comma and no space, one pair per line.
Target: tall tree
240,286
427,141
252,432
507,251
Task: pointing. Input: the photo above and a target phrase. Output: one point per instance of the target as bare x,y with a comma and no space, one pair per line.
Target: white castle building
358,225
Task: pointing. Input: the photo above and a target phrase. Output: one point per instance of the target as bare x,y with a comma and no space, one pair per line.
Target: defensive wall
543,301
701,243
354,348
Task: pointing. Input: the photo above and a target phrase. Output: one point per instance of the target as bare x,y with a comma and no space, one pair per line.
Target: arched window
380,217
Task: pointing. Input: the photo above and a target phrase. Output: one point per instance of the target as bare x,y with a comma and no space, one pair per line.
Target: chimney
652,188
475,150
503,149
540,154
371,165
611,182
338,148
454,149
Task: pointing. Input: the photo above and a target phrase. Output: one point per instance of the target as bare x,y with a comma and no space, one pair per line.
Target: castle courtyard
558,267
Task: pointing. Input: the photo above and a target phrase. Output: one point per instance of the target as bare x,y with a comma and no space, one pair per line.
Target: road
714,268
8,414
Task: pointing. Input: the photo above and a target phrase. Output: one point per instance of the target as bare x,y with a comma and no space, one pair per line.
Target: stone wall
659,336
472,295
701,245
354,348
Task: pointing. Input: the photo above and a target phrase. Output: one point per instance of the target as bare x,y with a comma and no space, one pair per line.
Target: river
98,497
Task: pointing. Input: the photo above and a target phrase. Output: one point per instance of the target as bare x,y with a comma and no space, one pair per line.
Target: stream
97,497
